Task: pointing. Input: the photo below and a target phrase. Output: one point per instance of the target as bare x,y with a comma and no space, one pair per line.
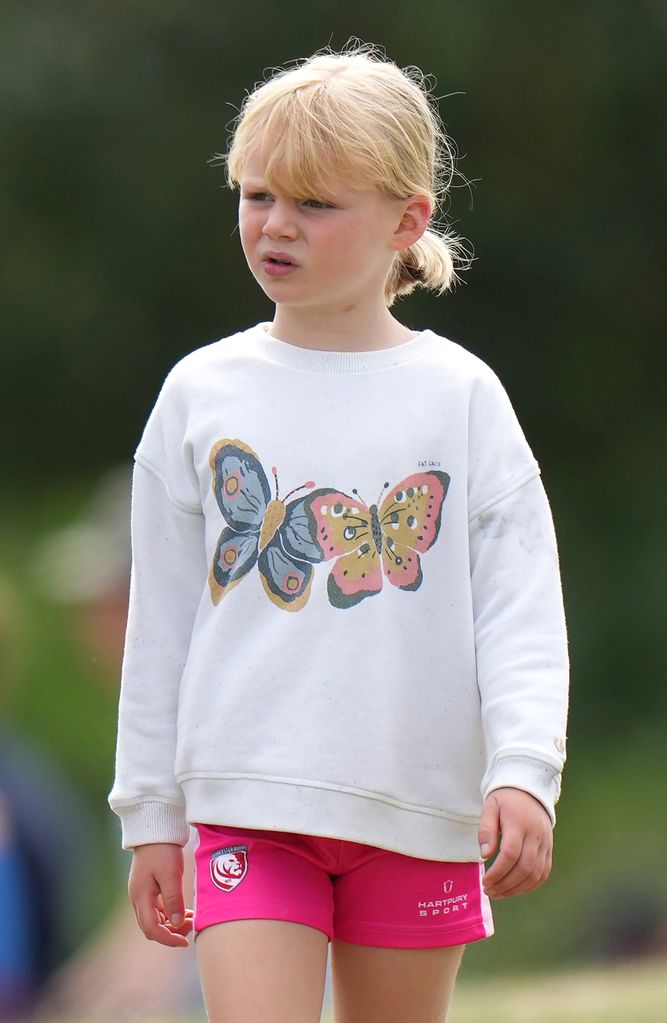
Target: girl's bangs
303,158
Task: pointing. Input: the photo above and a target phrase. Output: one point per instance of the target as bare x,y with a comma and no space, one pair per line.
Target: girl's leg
392,985
262,971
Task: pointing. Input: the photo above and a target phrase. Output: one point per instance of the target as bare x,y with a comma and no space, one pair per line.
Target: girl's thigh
262,971
392,985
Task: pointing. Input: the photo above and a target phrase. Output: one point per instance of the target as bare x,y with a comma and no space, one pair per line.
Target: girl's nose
280,221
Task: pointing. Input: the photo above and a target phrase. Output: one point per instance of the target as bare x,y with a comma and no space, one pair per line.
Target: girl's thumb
489,826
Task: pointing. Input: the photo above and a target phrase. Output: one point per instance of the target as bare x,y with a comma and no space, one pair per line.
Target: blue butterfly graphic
272,533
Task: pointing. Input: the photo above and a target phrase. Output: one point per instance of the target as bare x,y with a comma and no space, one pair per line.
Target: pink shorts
352,892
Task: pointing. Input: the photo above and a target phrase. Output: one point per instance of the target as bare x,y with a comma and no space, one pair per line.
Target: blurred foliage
121,256
120,241
61,706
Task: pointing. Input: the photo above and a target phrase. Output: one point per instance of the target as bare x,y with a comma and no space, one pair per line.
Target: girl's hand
524,828
156,892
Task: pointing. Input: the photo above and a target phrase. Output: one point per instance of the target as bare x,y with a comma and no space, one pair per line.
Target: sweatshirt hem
275,805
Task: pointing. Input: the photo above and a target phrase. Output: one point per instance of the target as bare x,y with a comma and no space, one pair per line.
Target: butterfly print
273,534
373,544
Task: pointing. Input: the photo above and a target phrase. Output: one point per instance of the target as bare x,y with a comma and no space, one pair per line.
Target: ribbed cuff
540,779
151,822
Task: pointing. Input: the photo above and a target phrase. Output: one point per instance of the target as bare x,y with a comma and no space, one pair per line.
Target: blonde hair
356,115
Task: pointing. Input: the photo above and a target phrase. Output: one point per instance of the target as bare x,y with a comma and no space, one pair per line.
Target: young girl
346,660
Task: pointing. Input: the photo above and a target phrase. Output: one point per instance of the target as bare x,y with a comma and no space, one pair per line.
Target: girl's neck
351,331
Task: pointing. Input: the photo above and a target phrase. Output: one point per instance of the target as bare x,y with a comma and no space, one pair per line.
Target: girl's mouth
277,267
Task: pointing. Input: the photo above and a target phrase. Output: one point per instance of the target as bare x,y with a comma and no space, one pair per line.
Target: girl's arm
522,668
169,575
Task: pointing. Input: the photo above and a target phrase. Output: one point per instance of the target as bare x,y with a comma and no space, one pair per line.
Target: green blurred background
121,255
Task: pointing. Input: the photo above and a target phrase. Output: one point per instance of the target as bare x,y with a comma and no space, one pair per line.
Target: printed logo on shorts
229,866
444,907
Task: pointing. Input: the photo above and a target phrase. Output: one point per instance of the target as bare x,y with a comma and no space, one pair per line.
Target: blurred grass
622,993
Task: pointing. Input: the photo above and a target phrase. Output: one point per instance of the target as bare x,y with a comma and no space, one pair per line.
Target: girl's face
331,257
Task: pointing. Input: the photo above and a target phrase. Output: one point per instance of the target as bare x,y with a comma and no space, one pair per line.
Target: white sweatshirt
365,658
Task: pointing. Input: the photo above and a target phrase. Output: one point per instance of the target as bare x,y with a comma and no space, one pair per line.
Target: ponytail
430,263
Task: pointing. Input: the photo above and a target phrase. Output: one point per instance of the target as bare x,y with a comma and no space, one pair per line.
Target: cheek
357,247
250,227
337,242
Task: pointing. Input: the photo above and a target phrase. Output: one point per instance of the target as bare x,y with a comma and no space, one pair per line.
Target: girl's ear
415,216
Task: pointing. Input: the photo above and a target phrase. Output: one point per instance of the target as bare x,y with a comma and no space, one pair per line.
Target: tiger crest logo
229,866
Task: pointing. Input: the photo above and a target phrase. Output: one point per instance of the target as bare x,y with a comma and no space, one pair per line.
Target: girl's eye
315,204
257,196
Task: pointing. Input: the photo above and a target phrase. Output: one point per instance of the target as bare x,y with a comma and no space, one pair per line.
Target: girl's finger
529,874
511,849
151,920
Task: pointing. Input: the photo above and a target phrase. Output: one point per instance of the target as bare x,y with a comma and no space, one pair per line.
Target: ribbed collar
316,361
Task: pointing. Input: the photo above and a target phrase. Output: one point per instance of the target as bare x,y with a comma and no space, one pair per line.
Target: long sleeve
520,642
168,575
